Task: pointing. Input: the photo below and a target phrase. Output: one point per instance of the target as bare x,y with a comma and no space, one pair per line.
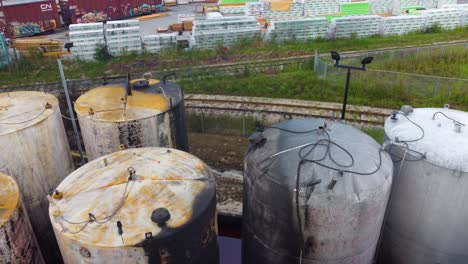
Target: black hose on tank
129,86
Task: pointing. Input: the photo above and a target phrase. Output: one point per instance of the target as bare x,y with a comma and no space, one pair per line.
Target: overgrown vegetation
448,62
38,68
380,90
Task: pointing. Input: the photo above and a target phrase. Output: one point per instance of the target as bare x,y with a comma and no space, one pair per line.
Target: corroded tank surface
151,116
17,241
428,210
143,205
36,154
315,191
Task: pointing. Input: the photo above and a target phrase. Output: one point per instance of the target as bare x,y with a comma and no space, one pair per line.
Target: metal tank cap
160,216
407,109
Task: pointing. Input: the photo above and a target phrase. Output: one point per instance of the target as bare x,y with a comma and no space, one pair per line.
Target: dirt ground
220,152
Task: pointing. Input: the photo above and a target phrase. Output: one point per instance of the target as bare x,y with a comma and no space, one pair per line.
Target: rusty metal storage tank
428,209
315,191
142,205
143,113
17,241
36,154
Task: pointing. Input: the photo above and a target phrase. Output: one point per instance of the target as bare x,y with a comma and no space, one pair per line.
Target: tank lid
19,110
145,189
107,103
445,138
344,159
150,81
9,197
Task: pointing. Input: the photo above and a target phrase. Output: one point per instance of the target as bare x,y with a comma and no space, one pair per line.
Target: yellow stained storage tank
36,154
142,205
17,241
151,114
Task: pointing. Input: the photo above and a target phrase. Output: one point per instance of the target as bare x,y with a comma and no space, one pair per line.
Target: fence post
202,122
325,71
315,61
243,126
436,87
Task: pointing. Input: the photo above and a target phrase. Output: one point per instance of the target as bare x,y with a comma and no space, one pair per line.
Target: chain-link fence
379,85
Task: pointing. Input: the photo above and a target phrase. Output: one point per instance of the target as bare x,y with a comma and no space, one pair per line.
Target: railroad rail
274,110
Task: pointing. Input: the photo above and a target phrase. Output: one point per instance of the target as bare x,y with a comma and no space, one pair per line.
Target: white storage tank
36,154
17,241
428,210
114,117
142,205
315,191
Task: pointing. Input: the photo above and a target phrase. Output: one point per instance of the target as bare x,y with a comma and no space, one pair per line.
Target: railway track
274,110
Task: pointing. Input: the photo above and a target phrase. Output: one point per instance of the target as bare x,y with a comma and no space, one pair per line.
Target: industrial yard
234,131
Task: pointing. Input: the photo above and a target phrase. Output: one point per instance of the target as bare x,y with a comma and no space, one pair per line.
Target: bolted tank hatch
111,104
19,110
9,198
124,198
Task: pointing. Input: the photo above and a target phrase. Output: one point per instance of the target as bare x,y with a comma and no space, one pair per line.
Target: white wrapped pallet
185,17
231,9
384,6
321,7
123,23
254,8
86,38
211,39
86,26
154,43
442,3
401,25
123,36
360,26
447,18
297,29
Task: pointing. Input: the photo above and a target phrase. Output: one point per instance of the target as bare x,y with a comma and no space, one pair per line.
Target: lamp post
336,57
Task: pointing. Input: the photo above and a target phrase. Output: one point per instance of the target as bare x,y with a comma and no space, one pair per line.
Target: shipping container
21,18
86,11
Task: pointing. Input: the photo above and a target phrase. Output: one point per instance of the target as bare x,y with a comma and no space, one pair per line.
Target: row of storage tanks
315,191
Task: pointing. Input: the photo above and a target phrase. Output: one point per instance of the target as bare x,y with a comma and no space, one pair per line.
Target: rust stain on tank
163,178
107,103
19,110
9,198
151,82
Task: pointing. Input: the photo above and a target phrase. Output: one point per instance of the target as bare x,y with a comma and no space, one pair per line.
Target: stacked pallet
383,7
409,3
123,36
401,25
442,3
231,9
447,18
297,29
154,43
322,7
296,10
464,12
185,17
254,8
224,31
86,38
359,26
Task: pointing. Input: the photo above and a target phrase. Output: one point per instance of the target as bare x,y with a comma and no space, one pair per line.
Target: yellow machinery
48,47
